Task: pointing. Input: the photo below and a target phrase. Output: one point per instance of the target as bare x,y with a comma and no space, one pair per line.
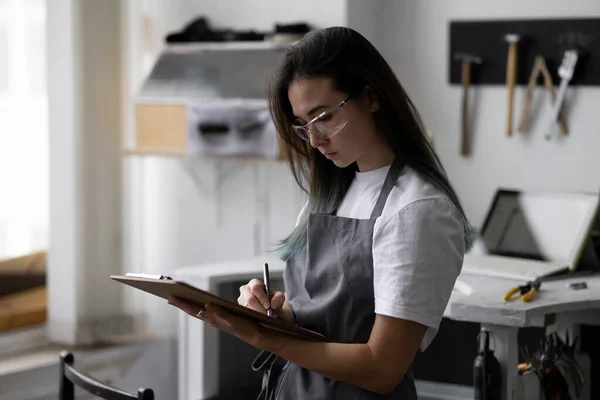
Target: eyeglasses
325,125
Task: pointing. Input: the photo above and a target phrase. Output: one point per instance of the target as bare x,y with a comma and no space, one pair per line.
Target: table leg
504,342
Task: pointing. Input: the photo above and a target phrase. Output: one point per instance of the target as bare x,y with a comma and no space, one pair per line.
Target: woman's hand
241,327
253,295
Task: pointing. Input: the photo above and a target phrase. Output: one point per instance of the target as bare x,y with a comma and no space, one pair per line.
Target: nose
315,140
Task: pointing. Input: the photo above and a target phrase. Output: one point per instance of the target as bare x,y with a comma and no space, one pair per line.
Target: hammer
467,60
511,77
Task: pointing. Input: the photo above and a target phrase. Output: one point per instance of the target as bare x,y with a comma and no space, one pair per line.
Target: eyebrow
314,110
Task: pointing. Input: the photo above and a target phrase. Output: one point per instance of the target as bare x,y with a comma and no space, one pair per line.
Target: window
24,193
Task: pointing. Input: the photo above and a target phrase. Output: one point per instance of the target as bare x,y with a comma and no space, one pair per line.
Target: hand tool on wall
565,71
540,68
527,291
511,77
466,60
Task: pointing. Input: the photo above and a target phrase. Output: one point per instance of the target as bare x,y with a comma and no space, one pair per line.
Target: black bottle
486,371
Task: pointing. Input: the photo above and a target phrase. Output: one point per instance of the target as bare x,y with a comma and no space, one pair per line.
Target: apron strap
388,184
270,366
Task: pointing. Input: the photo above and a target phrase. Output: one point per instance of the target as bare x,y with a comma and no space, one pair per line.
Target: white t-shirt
418,246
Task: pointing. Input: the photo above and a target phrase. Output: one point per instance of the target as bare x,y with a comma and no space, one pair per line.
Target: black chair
70,377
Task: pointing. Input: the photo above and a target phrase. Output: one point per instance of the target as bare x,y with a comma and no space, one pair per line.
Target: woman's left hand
242,328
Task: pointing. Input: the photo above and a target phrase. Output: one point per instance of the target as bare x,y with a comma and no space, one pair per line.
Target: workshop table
556,308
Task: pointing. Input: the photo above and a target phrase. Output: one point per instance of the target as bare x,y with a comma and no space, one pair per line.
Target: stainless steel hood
212,71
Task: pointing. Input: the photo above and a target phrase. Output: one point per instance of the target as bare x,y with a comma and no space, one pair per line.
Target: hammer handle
465,146
511,65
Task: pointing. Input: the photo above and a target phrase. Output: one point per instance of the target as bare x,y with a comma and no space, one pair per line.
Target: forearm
352,363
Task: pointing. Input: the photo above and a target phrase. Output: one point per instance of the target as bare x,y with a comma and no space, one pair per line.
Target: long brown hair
353,63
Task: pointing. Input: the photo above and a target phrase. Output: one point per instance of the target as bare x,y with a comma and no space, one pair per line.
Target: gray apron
331,292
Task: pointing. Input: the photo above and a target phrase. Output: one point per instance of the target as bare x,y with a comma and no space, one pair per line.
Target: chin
342,163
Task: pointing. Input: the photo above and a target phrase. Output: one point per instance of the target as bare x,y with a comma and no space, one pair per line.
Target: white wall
416,44
181,214
365,17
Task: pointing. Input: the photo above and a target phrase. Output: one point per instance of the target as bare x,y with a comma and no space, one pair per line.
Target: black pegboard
546,37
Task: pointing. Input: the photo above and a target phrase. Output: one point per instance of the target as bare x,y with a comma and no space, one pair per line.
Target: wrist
270,340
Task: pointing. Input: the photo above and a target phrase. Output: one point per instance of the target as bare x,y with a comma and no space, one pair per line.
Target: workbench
555,308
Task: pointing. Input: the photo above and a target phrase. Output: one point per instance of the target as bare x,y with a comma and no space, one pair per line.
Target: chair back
71,378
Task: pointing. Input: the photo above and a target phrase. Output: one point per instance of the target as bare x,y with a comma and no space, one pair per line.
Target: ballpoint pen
267,288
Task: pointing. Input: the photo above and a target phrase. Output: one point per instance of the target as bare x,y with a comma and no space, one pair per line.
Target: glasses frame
306,127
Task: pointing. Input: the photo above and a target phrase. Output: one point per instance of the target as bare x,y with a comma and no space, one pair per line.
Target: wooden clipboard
165,287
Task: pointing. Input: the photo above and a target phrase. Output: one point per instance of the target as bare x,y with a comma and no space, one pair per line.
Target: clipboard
163,286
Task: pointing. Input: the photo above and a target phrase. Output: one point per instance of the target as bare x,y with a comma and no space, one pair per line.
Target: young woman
377,248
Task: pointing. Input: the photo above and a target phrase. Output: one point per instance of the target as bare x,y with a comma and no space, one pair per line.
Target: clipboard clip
148,276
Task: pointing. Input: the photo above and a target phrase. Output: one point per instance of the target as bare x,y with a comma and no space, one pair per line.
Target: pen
267,287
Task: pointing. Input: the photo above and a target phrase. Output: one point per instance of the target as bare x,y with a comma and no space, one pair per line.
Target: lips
330,154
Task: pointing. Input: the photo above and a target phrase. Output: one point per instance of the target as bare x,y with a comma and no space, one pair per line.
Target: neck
378,155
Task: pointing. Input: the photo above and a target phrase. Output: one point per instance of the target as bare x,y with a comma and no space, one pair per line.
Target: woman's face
357,140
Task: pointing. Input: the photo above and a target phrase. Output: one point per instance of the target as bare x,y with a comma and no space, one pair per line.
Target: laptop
528,234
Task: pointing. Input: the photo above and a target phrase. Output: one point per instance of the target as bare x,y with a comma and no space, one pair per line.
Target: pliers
528,291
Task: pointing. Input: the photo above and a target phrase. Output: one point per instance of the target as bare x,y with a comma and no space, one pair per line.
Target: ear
372,99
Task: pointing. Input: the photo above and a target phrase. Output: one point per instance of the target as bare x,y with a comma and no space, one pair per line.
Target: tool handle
511,65
556,107
525,111
562,124
511,293
539,66
465,146
529,295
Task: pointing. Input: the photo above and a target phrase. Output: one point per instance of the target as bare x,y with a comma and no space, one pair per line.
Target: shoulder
426,228
413,200
411,187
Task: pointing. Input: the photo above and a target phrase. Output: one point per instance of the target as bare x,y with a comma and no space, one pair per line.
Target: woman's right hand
253,295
